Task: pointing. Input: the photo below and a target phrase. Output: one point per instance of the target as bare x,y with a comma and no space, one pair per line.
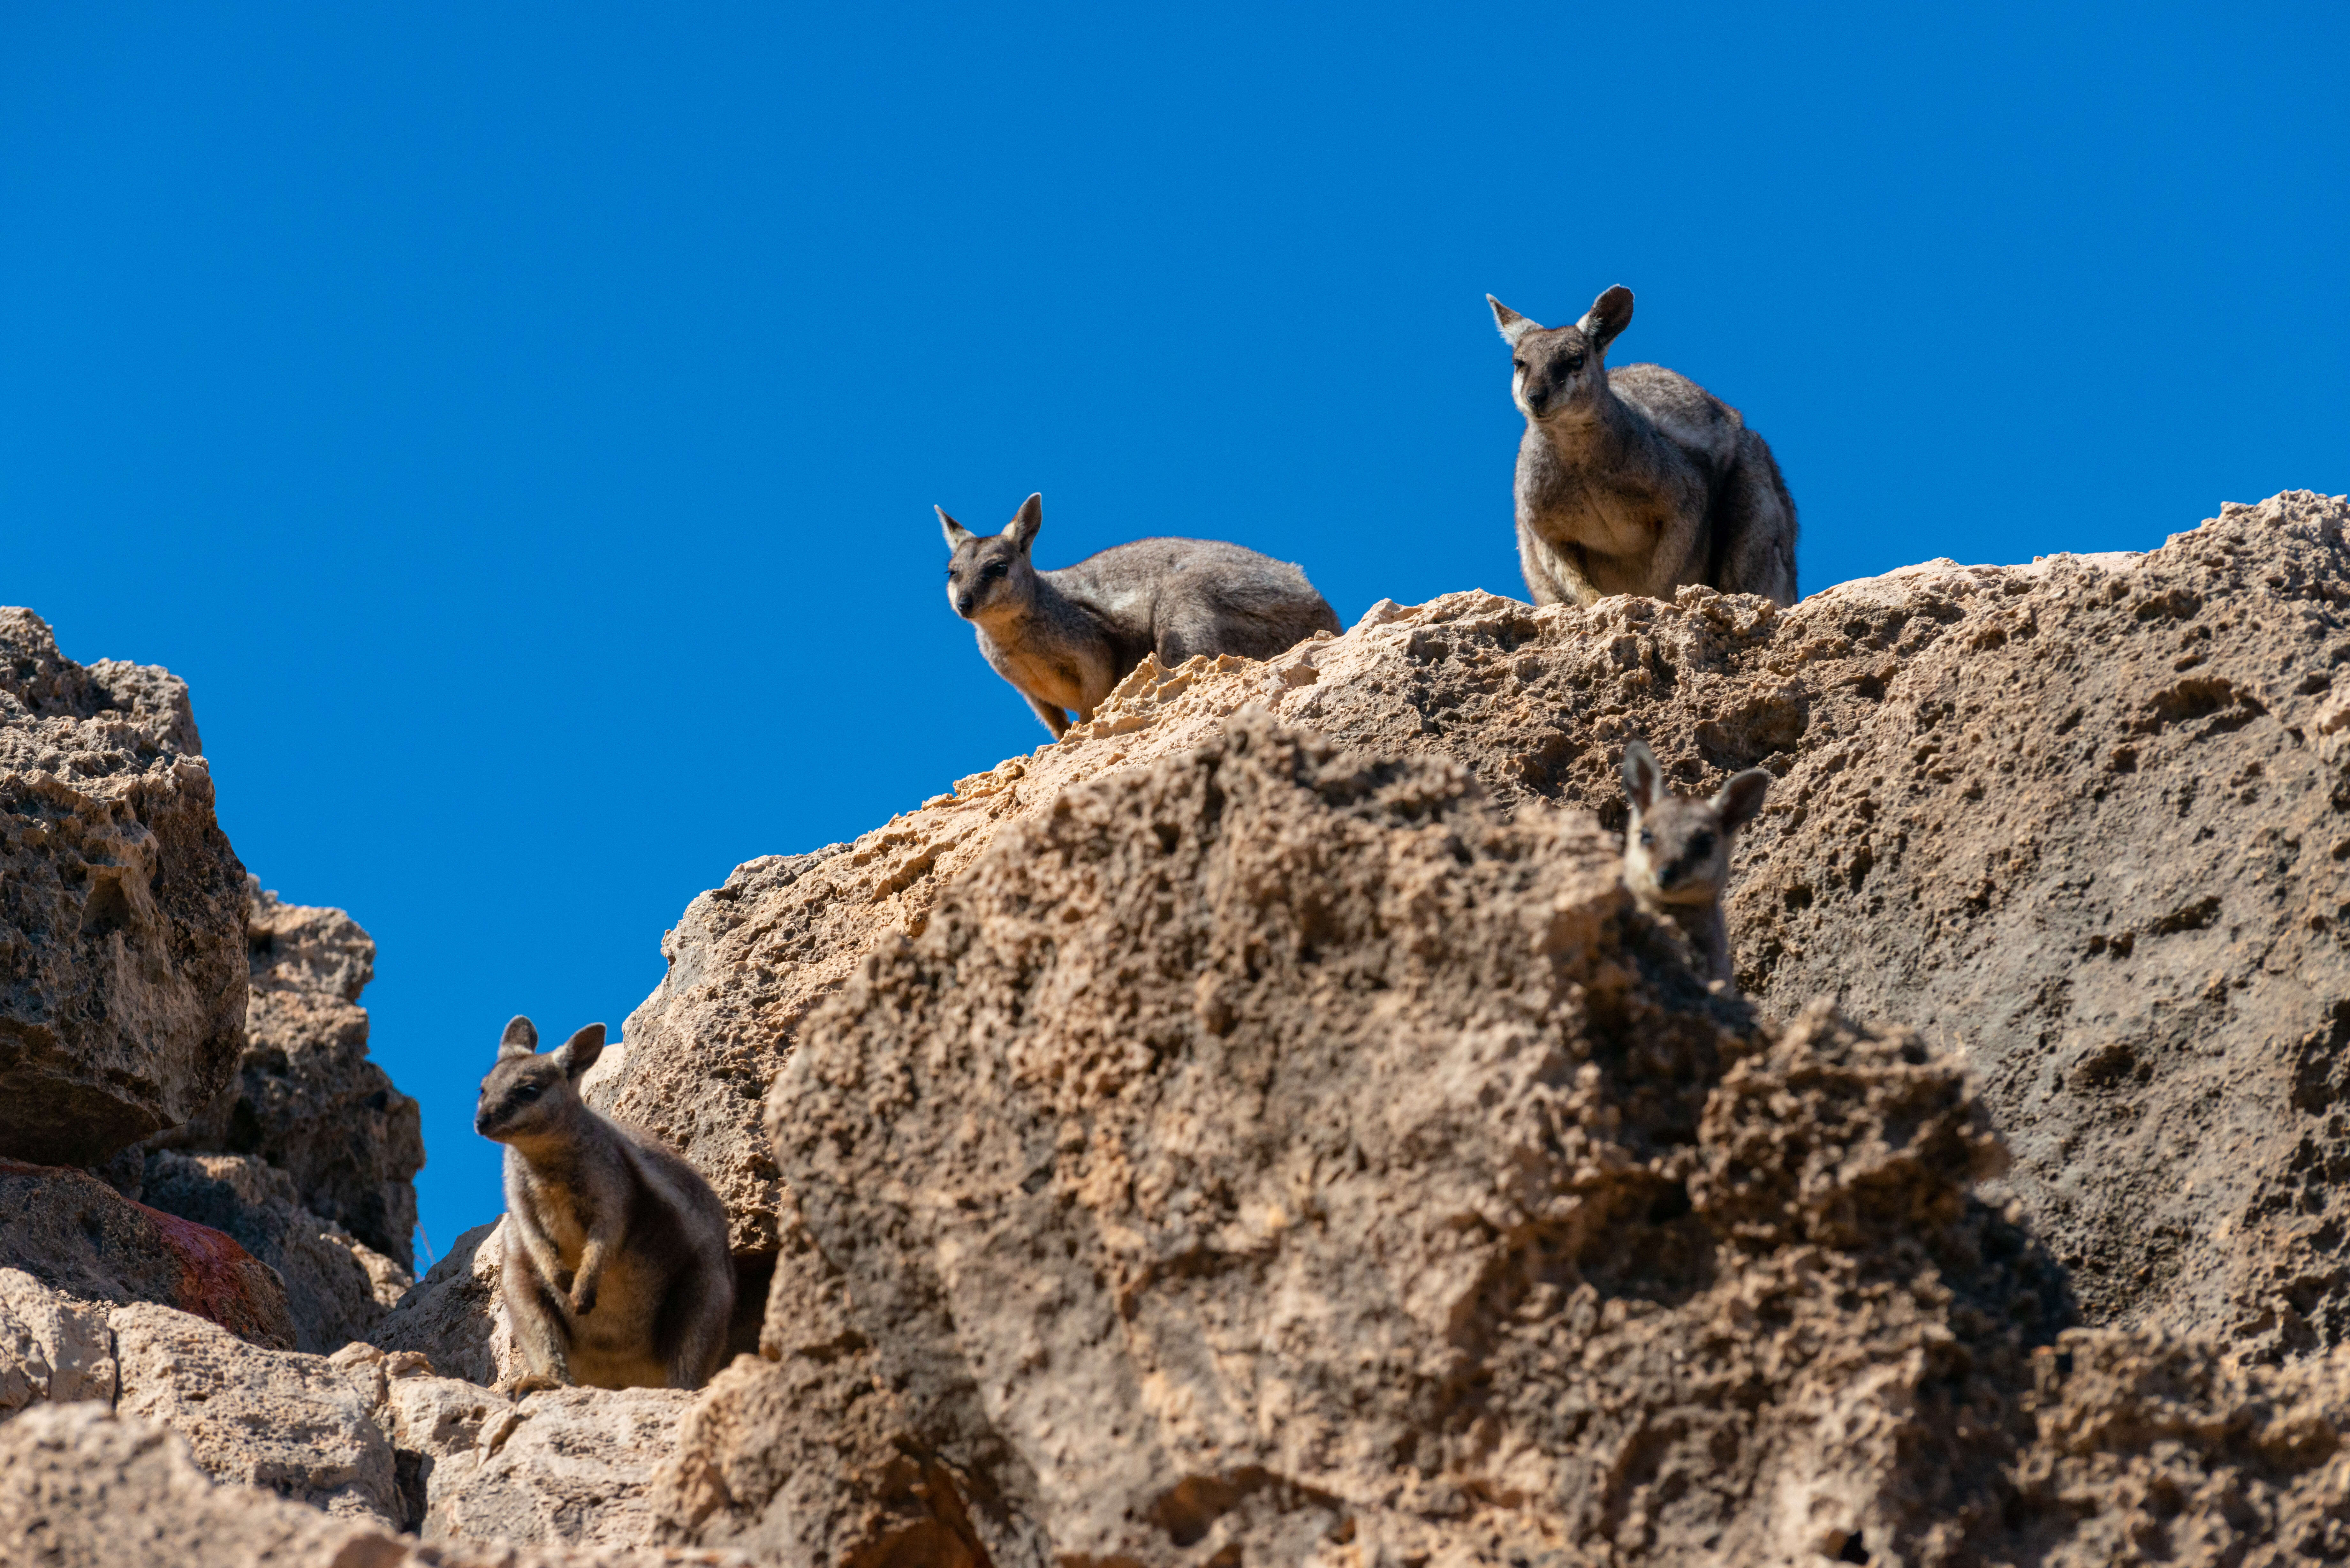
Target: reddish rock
78,1235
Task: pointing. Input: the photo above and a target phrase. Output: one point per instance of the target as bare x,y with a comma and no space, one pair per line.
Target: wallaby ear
578,1054
1610,314
1513,325
519,1039
1640,773
955,531
1738,801
1024,527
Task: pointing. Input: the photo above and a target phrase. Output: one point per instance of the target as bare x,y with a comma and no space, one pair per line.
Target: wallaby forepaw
583,1299
522,1383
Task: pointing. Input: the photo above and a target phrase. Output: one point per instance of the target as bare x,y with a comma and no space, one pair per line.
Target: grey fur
1635,480
1676,851
617,1273
1065,638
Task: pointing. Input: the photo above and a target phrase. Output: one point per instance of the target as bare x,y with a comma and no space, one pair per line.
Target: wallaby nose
962,604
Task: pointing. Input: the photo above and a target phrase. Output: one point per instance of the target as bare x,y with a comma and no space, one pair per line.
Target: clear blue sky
520,424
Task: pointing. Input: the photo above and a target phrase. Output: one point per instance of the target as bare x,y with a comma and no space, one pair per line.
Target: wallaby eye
526,1091
994,570
1574,362
1519,366
1702,842
1648,839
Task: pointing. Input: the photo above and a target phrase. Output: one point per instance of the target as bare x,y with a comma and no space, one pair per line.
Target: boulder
2104,792
558,1465
338,1287
83,1486
301,1426
52,1348
451,1316
306,1099
122,927
1280,1153
75,1234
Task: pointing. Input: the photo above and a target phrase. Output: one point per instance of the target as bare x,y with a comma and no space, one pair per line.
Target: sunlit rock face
121,906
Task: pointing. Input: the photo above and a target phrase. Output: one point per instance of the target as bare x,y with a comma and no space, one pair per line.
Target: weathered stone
2077,818
81,1487
52,1348
451,1316
569,1464
75,1234
121,929
306,1099
298,1424
1277,1154
336,1287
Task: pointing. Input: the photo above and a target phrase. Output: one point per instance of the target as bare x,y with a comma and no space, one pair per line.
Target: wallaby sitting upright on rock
1637,480
1065,638
616,1269
1676,851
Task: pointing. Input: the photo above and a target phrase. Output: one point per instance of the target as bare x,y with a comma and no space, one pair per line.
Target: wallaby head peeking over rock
1676,851
1065,638
615,1271
1637,480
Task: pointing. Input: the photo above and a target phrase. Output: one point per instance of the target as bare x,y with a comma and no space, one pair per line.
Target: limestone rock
451,1316
82,1486
76,1235
53,1349
1263,1153
121,966
569,1464
2082,820
338,1287
298,1424
306,1099
809,1456
1279,1154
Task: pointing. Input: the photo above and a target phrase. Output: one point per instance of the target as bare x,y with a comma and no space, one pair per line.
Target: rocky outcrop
298,1425
361,1434
563,1465
306,1099
121,930
2077,820
52,1348
451,1316
1279,1154
75,1235
338,1287
82,1486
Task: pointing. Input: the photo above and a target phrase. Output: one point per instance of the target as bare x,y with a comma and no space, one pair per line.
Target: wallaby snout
1676,849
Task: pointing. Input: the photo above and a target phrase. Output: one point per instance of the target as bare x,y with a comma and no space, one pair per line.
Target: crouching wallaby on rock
1676,851
616,1270
1065,638
1637,480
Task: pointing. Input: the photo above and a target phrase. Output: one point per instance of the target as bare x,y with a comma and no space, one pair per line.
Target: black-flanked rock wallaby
1676,851
1635,480
616,1272
1065,638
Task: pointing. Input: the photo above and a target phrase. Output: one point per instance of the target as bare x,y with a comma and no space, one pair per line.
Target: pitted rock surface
122,923
2084,821
306,1099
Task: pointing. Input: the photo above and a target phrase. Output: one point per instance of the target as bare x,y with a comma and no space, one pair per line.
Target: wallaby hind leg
1756,517
691,1330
